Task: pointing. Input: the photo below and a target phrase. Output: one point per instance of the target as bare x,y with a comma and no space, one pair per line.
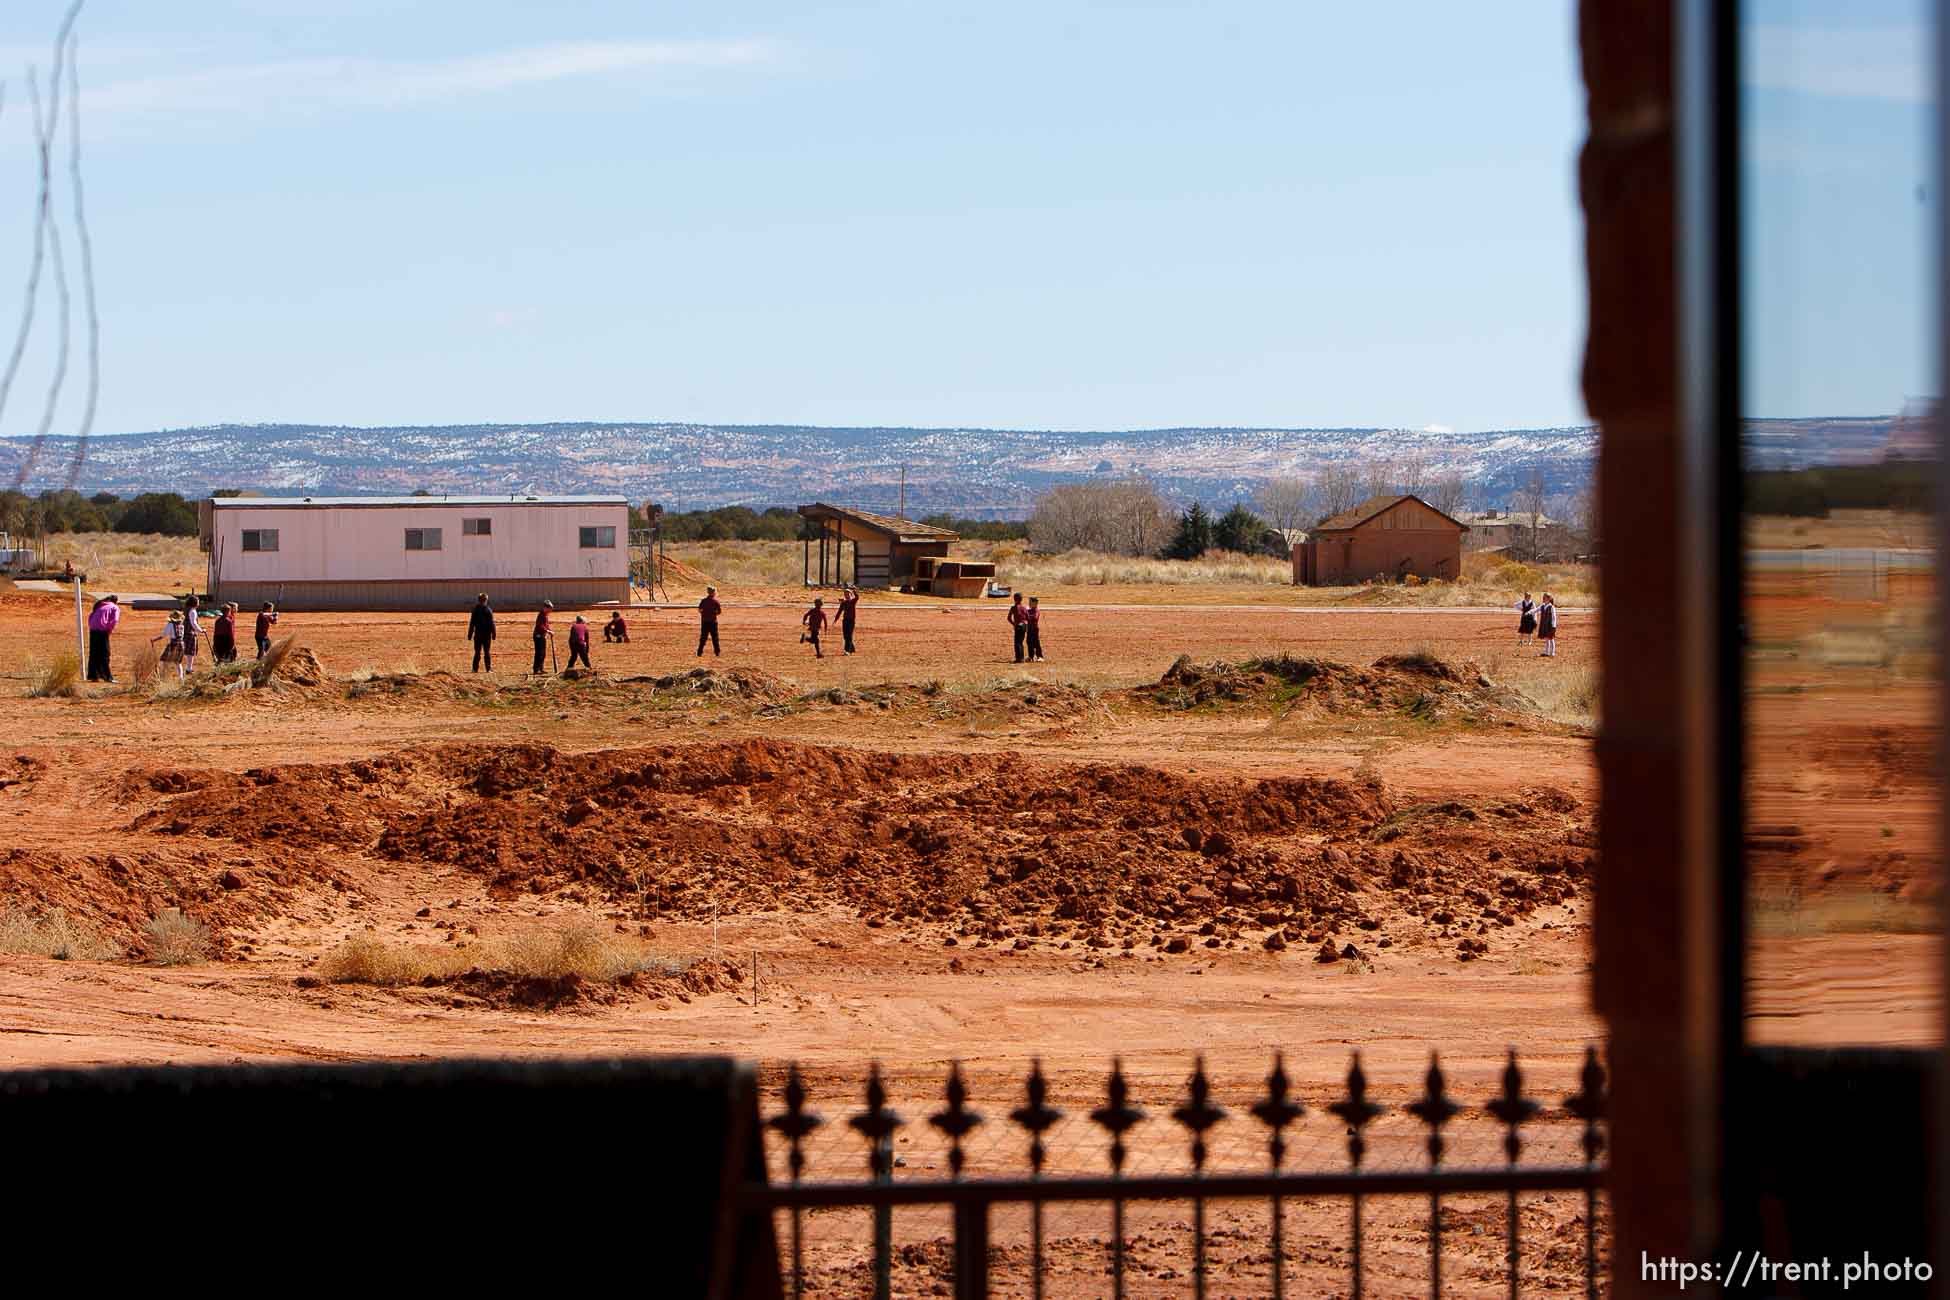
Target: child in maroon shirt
815,621
707,621
579,642
543,636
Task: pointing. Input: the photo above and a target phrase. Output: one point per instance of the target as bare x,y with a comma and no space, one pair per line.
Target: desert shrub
581,949
368,959
1079,568
54,934
1572,695
59,678
144,664
263,670
175,939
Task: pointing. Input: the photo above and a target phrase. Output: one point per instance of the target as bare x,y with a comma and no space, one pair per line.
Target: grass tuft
263,670
54,934
584,949
176,940
59,678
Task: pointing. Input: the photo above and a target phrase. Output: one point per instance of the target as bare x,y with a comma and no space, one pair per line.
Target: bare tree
1446,493
1125,516
1283,502
1337,488
1377,478
1531,499
1141,521
1412,474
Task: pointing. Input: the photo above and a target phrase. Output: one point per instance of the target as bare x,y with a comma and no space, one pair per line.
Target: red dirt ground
931,854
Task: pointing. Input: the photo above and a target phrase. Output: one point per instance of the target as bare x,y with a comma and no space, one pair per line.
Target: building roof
301,503
905,530
1374,507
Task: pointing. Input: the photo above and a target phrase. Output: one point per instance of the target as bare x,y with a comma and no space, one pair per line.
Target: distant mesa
972,473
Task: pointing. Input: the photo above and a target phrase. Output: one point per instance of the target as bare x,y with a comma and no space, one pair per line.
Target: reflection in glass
1842,432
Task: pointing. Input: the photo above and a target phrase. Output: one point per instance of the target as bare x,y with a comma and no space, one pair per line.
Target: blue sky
1047,214
1841,205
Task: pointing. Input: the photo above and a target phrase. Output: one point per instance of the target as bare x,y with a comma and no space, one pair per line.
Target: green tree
158,512
1239,529
1194,535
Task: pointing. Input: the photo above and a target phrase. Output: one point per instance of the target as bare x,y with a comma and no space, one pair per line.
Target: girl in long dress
1526,620
1547,626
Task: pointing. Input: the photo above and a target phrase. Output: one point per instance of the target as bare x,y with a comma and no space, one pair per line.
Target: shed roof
315,503
1374,507
904,530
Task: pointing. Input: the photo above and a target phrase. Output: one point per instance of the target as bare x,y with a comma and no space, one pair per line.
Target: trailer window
260,539
423,539
476,527
598,538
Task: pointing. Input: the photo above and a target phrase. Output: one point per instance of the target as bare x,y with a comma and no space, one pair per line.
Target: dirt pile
1419,686
682,574
504,990
986,849
718,683
218,884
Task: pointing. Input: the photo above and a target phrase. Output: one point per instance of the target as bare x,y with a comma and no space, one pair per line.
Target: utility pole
903,506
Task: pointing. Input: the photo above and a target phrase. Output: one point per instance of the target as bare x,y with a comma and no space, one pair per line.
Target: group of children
182,636
1025,620
1539,621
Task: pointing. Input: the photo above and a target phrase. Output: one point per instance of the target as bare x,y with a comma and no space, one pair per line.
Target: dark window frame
417,538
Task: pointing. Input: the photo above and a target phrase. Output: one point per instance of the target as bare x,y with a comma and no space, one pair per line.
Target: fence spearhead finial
1513,1108
1588,1103
1434,1108
1117,1115
1356,1111
877,1123
956,1119
1199,1112
1036,1115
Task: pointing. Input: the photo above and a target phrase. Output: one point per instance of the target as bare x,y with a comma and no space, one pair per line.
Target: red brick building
1385,537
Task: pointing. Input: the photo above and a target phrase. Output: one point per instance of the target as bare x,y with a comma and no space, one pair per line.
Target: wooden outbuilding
1386,538
885,550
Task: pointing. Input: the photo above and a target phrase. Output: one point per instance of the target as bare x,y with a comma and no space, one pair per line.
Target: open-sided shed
884,548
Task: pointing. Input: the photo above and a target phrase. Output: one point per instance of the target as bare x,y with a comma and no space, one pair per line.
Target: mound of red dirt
507,991
986,847
221,885
1417,685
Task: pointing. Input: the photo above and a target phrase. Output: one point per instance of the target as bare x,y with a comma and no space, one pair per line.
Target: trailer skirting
425,594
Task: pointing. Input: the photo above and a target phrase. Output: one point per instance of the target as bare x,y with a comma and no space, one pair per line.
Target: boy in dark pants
543,636
815,621
1019,620
579,643
708,610
267,618
1033,619
849,611
480,631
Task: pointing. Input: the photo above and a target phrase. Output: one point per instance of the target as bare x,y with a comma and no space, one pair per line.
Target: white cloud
1437,428
326,83
1889,63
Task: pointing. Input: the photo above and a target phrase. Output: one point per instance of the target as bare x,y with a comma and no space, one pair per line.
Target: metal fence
971,1194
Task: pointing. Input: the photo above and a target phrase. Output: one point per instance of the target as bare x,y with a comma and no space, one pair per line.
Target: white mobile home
416,552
